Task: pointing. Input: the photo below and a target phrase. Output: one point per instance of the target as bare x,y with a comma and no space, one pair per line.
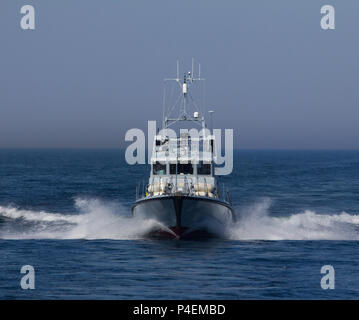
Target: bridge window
159,169
203,168
186,168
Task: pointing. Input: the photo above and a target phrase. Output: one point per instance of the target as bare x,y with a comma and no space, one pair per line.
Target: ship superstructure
182,193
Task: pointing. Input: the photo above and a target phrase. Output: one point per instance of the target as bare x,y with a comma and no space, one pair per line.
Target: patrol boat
183,194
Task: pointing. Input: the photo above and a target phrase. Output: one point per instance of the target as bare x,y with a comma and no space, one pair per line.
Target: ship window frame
164,169
204,164
180,166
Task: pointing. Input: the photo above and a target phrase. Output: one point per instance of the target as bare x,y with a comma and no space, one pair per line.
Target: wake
93,219
255,223
97,219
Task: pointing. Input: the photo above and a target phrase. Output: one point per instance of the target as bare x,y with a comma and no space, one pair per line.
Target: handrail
143,190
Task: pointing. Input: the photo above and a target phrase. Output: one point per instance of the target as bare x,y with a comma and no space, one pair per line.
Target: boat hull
185,216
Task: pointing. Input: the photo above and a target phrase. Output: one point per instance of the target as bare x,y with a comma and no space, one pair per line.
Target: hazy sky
93,69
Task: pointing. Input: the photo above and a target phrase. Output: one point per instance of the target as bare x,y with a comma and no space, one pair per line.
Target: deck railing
142,190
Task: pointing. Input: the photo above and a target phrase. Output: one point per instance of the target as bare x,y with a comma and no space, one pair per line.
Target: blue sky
93,69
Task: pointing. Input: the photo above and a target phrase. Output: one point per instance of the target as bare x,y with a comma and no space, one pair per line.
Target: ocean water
67,213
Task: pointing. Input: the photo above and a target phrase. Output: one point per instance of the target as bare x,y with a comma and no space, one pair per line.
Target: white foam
15,213
255,223
96,219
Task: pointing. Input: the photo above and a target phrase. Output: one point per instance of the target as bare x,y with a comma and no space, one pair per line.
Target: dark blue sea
67,214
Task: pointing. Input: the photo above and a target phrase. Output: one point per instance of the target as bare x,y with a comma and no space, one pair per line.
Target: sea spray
93,219
256,223
100,219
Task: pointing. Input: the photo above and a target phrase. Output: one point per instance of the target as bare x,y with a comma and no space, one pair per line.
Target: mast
184,100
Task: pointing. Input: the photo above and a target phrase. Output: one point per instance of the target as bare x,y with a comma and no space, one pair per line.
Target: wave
256,223
93,219
98,219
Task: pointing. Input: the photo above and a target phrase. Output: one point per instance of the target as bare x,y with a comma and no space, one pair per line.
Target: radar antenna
185,100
